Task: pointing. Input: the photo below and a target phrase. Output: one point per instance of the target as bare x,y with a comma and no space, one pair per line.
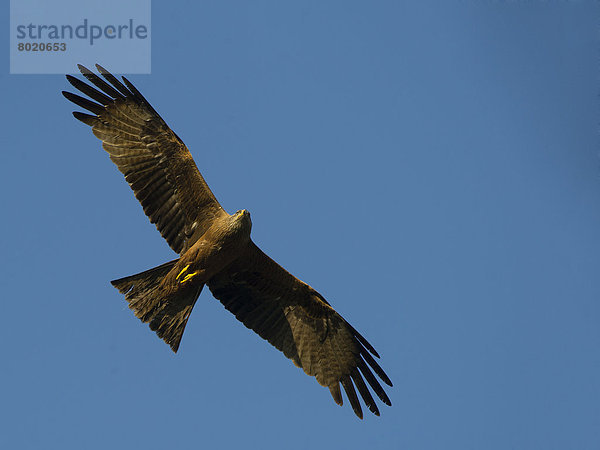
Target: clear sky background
432,168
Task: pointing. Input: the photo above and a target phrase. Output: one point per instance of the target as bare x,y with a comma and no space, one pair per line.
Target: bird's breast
214,251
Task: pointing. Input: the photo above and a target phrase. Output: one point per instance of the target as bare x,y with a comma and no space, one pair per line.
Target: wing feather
351,393
155,162
298,321
364,391
99,82
364,370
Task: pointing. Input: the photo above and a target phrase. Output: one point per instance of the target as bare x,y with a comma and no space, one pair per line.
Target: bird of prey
215,249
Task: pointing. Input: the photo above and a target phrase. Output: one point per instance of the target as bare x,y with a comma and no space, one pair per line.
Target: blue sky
431,168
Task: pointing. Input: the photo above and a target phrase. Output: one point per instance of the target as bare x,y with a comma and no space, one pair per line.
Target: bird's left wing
297,320
156,163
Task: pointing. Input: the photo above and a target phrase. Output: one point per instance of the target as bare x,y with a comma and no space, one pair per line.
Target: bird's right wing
156,163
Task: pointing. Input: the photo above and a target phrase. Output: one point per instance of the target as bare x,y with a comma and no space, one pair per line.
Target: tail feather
167,312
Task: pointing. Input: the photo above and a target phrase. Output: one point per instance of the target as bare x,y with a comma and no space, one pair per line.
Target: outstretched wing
156,163
297,320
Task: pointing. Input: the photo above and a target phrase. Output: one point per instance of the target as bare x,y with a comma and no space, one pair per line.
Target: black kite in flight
215,249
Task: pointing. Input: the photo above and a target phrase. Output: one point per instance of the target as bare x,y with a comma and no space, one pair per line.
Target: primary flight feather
215,249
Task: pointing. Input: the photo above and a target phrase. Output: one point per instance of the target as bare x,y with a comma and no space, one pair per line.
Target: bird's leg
187,276
182,272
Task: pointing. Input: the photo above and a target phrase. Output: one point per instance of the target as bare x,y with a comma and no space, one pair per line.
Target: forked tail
165,311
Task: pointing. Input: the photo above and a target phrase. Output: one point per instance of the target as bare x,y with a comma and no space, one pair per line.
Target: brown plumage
215,249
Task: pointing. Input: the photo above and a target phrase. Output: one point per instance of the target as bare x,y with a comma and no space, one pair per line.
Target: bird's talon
182,271
189,276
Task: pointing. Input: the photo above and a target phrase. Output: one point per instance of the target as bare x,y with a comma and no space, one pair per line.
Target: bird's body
215,249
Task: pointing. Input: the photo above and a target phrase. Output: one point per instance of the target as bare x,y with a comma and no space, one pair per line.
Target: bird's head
242,217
